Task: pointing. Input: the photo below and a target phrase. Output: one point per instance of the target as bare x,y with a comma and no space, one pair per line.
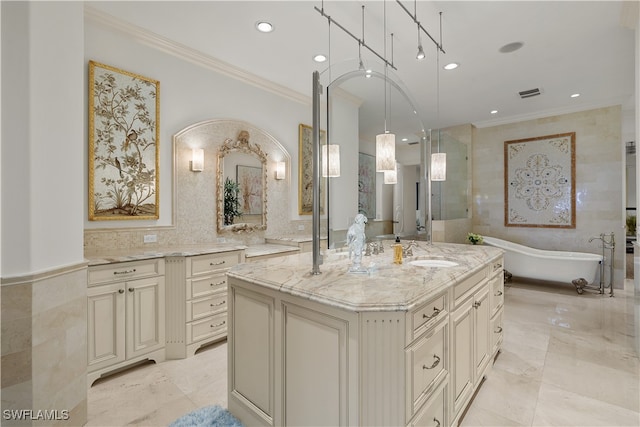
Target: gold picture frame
305,170
539,181
124,117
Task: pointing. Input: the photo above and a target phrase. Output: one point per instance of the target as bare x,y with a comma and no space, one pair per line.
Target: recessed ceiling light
451,66
494,111
575,95
511,47
264,26
405,139
320,58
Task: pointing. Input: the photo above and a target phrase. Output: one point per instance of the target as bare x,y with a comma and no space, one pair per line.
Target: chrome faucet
408,250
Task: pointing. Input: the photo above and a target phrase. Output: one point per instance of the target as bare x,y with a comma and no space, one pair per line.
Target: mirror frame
241,145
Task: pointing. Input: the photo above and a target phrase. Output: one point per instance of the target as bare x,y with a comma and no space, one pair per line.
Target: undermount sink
434,263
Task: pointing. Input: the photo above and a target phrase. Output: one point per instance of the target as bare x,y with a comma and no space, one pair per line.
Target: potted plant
231,201
474,239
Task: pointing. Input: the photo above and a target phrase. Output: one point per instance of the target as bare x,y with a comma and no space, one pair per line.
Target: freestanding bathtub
555,266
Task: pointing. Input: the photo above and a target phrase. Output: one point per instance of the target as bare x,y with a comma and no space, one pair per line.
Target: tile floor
567,360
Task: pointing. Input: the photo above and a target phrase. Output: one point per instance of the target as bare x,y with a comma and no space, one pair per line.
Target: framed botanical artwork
305,170
249,179
367,185
124,112
539,182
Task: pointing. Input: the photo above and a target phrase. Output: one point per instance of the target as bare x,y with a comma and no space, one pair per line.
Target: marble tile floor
567,360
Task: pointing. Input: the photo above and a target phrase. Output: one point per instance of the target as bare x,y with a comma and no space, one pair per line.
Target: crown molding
549,113
189,54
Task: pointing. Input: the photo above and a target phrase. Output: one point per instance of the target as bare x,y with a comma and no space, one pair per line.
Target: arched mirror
242,185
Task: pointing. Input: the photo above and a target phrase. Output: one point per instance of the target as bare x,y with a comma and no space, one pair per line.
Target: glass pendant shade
391,177
385,152
439,167
330,161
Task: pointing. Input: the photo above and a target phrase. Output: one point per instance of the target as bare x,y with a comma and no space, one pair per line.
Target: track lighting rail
415,19
360,42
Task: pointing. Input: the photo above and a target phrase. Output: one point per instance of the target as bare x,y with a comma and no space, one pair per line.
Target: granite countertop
109,257
387,287
293,239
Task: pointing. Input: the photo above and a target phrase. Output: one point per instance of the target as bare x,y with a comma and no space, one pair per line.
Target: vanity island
404,344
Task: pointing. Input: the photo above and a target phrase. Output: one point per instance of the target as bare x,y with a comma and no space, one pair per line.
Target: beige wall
599,180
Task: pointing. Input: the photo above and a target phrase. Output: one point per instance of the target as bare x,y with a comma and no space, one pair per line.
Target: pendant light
391,177
385,142
438,160
330,161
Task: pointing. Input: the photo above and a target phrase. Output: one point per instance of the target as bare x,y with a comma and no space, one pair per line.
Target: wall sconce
391,177
281,168
197,160
330,161
439,167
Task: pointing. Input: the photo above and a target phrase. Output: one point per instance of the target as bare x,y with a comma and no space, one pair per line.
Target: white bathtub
555,266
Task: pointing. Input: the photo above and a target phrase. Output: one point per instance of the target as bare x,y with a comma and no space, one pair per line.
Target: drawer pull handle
436,421
220,303
499,330
497,266
477,304
121,291
436,311
131,289
217,263
219,324
218,284
499,294
125,272
434,363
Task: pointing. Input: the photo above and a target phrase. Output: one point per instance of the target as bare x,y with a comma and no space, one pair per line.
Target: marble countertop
293,239
387,286
109,257
269,249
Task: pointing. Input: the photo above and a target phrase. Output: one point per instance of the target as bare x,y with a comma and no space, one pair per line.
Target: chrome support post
317,90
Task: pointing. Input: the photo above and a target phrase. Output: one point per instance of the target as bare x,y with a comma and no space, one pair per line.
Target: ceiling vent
529,93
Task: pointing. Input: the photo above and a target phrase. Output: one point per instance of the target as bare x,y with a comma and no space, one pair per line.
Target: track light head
420,56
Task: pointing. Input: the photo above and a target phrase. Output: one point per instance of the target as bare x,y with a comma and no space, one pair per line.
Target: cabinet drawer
208,285
204,264
207,328
497,333
428,362
203,307
497,293
426,316
463,289
433,412
123,271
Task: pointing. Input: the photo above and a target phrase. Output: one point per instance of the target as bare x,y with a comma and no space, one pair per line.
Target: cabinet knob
121,291
131,289
477,304
435,356
499,294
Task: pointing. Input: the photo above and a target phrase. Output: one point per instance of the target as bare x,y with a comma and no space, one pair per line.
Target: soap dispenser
397,251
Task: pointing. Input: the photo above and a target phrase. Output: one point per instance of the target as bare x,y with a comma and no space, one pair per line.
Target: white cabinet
197,300
125,315
294,360
473,343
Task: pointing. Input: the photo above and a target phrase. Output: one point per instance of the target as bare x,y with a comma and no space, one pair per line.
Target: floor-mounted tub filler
578,268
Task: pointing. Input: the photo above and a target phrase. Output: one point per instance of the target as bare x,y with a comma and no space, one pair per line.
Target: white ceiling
569,47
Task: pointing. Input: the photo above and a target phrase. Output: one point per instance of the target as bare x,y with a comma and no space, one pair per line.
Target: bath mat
208,416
